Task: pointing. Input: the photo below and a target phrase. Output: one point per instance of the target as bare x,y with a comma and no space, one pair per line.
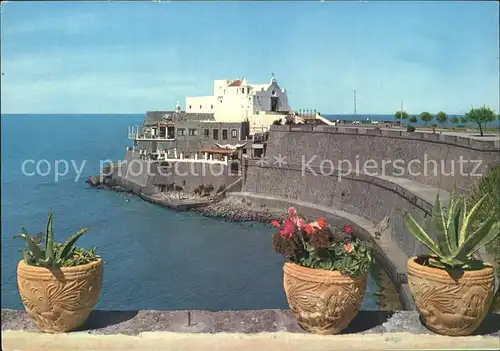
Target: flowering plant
315,245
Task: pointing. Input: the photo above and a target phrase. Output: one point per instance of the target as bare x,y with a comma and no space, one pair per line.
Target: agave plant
55,255
458,236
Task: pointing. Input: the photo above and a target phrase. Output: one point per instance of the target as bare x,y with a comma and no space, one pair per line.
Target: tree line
482,116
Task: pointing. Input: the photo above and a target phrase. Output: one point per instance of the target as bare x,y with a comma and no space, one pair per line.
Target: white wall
201,104
235,104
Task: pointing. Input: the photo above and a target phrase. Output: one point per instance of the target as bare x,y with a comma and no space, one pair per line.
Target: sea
154,258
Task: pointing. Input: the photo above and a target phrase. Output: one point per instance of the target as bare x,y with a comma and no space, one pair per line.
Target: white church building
237,101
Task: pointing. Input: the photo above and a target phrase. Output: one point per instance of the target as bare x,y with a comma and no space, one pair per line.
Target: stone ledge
234,322
242,342
472,142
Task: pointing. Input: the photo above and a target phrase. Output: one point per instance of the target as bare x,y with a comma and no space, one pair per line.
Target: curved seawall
375,174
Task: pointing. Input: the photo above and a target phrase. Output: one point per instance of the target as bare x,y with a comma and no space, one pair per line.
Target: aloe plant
457,232
53,254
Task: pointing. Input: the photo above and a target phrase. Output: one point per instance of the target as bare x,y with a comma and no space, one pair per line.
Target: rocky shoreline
234,210
229,209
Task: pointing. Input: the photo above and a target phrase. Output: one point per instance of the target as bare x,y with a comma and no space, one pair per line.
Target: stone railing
488,144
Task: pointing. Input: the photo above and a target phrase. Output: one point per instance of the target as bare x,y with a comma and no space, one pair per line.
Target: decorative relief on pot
327,302
447,306
59,300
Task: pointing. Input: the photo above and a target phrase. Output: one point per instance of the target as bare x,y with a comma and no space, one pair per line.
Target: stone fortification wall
143,177
380,198
193,175
300,144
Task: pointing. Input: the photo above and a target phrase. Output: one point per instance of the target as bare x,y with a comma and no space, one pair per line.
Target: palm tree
412,119
455,120
442,118
426,117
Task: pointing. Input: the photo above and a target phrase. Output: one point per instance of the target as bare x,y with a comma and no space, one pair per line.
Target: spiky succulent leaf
454,222
483,235
49,240
420,234
438,226
38,253
451,207
68,245
469,219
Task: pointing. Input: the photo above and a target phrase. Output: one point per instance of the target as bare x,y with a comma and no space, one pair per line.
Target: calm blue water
154,258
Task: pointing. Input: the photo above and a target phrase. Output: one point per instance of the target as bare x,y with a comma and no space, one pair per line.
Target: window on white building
200,107
224,134
193,131
215,134
234,133
243,90
181,131
206,133
190,107
212,107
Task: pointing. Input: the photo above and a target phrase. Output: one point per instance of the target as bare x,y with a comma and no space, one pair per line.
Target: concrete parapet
236,330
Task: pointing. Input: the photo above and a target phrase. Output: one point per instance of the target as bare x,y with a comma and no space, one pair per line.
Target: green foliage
357,262
410,128
455,120
401,114
442,118
52,254
315,245
426,117
277,122
489,184
412,119
481,116
458,233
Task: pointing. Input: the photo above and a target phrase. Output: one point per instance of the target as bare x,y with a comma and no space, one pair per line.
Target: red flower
348,229
321,222
275,223
291,212
309,229
288,229
348,247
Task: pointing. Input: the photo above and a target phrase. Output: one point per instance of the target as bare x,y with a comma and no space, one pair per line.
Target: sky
130,57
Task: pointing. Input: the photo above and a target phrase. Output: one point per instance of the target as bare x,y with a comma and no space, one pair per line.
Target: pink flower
291,212
321,222
348,229
301,223
348,247
309,229
287,230
275,223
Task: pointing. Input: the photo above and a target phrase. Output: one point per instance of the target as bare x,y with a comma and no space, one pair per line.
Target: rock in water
94,181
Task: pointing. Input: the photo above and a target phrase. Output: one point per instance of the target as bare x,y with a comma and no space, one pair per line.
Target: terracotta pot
450,305
324,302
59,300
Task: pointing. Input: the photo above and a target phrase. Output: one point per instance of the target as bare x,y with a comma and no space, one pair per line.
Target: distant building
238,101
